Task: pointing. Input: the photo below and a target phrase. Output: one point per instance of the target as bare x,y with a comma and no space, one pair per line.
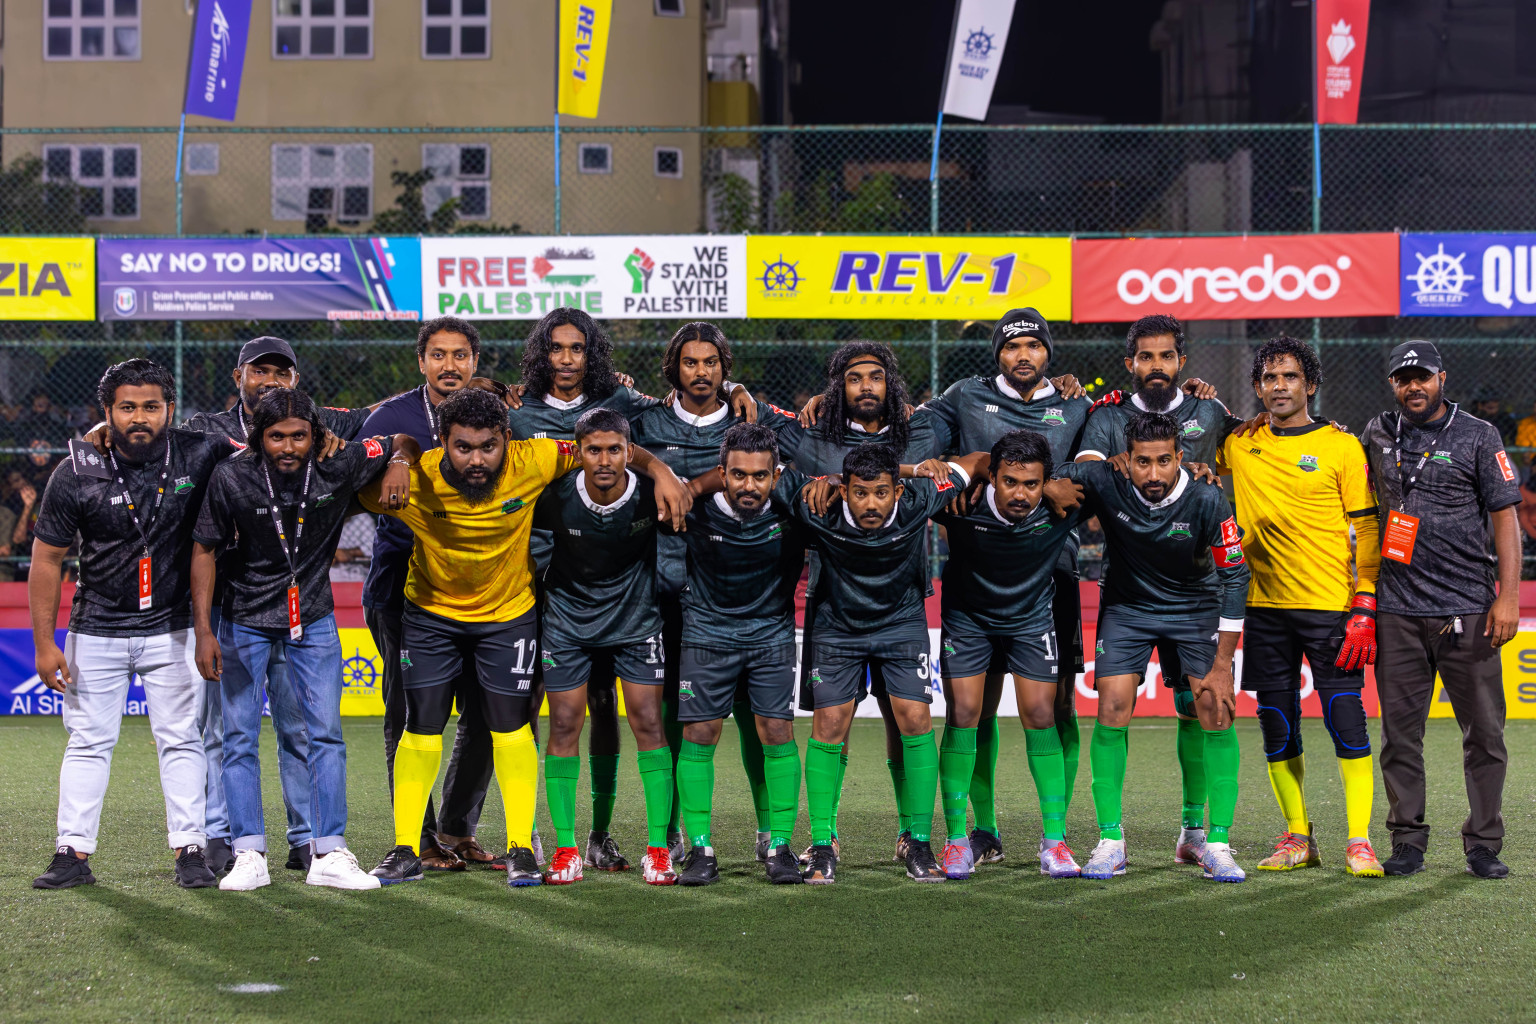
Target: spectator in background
1525,437
21,503
354,552
1525,515
1487,405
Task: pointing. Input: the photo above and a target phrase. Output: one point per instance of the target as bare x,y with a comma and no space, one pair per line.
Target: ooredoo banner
631,277
1235,278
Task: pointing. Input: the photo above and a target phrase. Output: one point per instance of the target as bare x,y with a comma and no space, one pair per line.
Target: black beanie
1020,323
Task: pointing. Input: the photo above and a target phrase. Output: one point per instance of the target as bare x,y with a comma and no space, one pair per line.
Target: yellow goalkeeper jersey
471,562
1298,489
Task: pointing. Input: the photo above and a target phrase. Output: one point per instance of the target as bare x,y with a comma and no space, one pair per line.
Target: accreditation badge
1398,537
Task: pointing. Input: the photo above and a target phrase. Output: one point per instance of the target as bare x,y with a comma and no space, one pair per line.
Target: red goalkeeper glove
1359,647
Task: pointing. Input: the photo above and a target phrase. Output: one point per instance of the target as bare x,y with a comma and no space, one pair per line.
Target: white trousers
100,668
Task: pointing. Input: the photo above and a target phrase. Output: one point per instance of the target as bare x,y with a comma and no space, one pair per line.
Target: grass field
1156,945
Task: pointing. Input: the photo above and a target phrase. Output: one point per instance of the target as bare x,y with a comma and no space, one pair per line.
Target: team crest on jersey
1307,464
1180,530
949,647
1040,528
1191,428
324,499
1098,647
684,689
1444,458
815,676
1052,416
775,530
511,505
405,658
547,659
184,484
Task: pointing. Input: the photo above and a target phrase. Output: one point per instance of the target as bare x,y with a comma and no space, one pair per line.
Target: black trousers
469,766
1409,651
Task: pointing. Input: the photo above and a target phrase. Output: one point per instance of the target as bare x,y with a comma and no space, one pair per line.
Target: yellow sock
517,775
416,762
1359,791
1286,778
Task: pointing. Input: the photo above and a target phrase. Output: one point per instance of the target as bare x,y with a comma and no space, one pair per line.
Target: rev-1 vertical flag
975,52
1340,43
584,29
219,33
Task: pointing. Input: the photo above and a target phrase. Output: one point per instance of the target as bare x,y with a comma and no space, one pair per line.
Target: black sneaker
700,867
822,867
921,866
522,868
903,840
763,839
783,866
399,865
603,853
66,871
300,857
1405,860
986,847
1484,863
219,855
192,869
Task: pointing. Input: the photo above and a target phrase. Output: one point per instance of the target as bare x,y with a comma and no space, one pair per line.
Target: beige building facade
399,74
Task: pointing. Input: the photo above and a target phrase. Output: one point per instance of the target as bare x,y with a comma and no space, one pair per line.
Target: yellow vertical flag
584,29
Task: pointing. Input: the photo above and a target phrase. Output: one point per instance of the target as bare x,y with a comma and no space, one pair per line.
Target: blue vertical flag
219,34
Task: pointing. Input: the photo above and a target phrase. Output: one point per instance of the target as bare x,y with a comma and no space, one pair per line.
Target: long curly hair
833,414
600,379
283,404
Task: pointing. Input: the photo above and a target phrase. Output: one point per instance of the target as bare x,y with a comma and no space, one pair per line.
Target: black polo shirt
237,512
1466,475
234,423
107,598
402,414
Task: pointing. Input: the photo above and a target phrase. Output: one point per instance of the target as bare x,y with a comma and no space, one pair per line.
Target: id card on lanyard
1402,529
146,569
290,555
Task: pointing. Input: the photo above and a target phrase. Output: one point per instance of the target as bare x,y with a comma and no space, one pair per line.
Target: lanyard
133,511
277,518
431,417
1404,484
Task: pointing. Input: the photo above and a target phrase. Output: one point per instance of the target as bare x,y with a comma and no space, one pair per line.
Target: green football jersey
742,573
819,452
973,413
1203,425
999,573
874,579
1180,558
600,589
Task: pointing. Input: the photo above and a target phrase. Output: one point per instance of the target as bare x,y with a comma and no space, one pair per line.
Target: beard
1430,412
286,478
1156,392
136,447
745,514
474,493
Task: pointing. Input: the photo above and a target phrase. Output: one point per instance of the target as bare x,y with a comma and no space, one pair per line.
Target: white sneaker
249,872
1056,859
1108,860
338,869
1219,864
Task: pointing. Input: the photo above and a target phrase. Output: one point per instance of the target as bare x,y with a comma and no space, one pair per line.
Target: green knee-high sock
781,772
696,789
752,761
604,769
1221,762
920,759
1192,761
656,779
560,774
1107,754
673,730
899,784
842,773
821,778
1045,767
1071,736
958,760
983,780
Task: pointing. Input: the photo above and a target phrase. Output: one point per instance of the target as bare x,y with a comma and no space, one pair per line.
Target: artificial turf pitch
1158,944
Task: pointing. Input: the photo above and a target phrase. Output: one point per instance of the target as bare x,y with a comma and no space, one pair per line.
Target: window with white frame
668,162
594,158
106,178
90,29
455,29
202,158
320,183
459,171
322,29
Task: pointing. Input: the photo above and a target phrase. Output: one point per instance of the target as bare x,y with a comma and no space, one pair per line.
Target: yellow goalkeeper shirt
471,562
1298,490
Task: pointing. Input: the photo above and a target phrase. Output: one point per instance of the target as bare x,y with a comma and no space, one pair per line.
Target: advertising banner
47,278
1235,278
1340,58
334,278
1468,275
632,277
919,277
219,32
584,29
975,52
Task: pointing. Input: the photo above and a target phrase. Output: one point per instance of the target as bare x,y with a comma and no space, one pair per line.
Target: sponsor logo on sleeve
566,448
1229,533
1504,466
372,448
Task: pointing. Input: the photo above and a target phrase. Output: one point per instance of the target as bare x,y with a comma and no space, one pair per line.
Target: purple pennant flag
219,34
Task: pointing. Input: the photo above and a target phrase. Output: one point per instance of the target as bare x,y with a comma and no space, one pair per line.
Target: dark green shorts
841,667
712,678
1126,639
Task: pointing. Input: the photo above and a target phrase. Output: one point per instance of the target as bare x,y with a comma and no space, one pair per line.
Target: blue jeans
292,750
314,680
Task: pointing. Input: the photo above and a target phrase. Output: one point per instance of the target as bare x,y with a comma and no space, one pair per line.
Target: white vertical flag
975,54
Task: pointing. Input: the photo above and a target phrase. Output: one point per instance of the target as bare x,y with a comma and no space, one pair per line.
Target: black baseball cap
1420,354
260,348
